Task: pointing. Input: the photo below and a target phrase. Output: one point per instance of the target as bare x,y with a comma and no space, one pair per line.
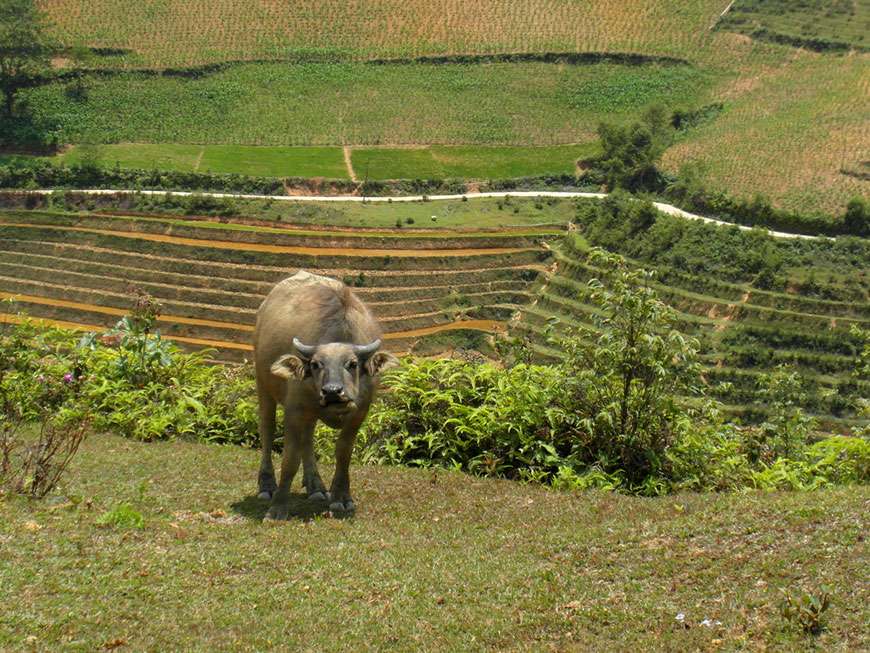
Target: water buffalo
316,351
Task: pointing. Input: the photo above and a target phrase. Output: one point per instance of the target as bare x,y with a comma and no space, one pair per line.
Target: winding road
664,208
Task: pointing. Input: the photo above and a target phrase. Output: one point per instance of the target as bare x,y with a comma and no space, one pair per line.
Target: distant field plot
467,162
163,156
258,161
819,24
174,33
367,104
787,132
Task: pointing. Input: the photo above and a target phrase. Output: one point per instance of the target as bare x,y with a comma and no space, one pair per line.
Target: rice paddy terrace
210,278
432,289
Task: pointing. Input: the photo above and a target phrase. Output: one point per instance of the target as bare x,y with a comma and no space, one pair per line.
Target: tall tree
25,48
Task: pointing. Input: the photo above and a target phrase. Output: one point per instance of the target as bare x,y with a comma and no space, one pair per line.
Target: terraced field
210,279
433,289
745,332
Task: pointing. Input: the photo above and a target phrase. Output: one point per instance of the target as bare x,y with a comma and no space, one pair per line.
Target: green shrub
622,388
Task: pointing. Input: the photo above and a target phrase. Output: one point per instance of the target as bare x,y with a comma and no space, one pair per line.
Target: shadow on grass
301,508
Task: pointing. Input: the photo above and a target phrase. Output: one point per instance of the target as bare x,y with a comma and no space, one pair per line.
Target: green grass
256,161
366,104
432,561
376,163
467,162
838,22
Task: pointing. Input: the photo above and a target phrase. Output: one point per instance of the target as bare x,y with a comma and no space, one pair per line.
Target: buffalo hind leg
294,432
339,493
266,480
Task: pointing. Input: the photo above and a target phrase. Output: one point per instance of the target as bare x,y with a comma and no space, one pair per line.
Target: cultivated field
793,125
177,33
446,278
745,331
367,104
374,163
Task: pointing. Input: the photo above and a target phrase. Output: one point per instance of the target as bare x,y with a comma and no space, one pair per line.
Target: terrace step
250,279
242,235
275,256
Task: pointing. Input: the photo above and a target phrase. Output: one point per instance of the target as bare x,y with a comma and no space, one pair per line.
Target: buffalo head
337,370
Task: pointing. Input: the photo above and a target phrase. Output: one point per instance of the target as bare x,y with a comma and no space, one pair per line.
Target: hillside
492,266
792,125
432,561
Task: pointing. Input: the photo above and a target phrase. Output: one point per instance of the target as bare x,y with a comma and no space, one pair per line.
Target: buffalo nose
332,390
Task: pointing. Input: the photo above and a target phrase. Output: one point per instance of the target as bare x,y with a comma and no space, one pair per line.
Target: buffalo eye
351,365
315,365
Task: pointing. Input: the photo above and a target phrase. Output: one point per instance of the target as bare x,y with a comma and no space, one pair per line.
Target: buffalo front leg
266,479
310,475
294,432
339,493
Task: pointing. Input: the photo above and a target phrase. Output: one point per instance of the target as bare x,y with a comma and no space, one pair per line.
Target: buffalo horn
305,350
367,350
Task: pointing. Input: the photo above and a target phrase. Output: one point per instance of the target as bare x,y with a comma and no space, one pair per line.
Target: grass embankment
432,561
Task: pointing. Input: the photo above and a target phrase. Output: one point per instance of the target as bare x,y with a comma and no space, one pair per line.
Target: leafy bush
623,388
131,381
475,417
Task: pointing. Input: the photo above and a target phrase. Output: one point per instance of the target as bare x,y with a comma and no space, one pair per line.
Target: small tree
631,152
25,48
786,431
856,221
626,388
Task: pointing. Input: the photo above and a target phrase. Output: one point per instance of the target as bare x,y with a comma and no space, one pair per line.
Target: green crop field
467,162
376,163
258,161
366,104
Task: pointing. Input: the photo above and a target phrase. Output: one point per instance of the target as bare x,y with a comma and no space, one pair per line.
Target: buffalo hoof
318,496
277,513
342,506
265,495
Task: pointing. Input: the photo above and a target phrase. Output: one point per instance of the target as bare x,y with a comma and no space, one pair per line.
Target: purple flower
67,378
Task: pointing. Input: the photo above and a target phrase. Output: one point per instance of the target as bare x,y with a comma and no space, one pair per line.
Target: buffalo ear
380,361
289,367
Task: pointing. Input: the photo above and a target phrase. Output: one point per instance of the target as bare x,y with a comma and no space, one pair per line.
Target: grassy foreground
432,561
